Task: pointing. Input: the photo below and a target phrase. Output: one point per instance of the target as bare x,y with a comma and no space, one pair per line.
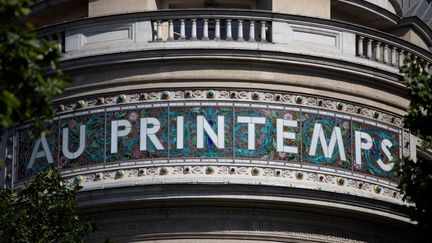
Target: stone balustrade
211,29
382,51
233,29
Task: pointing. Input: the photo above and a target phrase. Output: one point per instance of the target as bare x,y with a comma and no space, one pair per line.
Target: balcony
328,40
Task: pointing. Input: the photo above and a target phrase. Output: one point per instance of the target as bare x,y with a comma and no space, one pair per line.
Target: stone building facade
229,121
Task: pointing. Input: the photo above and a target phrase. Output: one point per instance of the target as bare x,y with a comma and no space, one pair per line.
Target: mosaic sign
212,130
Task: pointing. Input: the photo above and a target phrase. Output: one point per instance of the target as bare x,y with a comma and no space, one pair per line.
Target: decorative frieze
268,97
276,176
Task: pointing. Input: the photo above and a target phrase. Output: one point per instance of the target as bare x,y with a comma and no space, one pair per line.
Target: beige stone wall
410,35
313,8
200,74
107,7
230,4
414,38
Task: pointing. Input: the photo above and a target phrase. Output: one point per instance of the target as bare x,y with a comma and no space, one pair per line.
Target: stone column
182,29
378,51
401,57
240,30
369,49
386,54
217,29
360,46
170,30
251,30
263,31
159,30
393,56
60,41
228,30
205,29
194,29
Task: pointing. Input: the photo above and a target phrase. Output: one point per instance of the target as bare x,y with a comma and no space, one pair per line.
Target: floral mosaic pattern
129,146
25,149
94,140
264,134
296,142
328,123
189,115
371,156
98,137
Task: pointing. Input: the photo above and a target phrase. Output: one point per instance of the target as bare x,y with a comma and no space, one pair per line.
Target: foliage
26,90
415,178
44,210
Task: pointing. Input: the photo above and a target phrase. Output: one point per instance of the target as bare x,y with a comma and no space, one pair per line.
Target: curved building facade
226,121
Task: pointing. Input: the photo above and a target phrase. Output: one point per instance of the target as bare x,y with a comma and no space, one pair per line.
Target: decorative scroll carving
198,94
309,101
319,179
268,96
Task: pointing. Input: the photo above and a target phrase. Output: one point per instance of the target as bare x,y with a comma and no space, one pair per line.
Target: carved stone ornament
242,95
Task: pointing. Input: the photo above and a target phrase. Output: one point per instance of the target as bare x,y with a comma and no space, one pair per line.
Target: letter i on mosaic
180,132
217,139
